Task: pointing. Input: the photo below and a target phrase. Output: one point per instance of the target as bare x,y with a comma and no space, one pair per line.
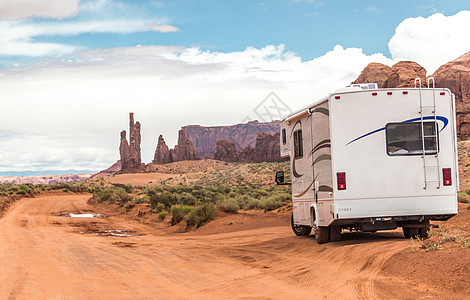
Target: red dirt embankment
47,255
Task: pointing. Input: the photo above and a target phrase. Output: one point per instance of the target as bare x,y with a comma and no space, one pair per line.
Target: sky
72,70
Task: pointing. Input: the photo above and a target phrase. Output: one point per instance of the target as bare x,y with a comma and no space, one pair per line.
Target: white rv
372,159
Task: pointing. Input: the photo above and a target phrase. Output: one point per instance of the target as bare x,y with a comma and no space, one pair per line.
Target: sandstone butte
130,152
183,150
454,75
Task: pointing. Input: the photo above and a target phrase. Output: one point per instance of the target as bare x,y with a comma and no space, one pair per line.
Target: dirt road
46,254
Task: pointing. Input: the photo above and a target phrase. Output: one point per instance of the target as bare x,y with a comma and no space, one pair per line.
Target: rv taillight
337,97
405,92
374,94
341,178
447,176
389,93
443,93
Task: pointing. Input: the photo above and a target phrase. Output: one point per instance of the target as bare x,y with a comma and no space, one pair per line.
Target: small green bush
186,209
463,197
177,215
270,203
113,195
160,207
253,204
229,205
201,215
21,192
65,190
162,215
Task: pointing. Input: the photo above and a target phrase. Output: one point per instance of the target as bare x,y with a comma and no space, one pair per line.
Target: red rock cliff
401,74
266,149
455,75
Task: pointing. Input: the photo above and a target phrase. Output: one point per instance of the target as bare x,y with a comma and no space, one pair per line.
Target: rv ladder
434,136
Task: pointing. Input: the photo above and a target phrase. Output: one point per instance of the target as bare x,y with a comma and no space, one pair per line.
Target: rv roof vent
365,86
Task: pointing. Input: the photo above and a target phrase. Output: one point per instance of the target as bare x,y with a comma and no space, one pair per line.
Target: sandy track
45,256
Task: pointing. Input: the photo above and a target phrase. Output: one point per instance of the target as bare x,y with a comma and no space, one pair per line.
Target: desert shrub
65,190
21,192
229,205
186,209
162,215
160,207
187,199
165,197
253,204
198,202
463,197
271,202
201,214
113,195
177,215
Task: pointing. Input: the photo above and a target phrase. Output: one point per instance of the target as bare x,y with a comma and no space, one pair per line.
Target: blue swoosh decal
440,118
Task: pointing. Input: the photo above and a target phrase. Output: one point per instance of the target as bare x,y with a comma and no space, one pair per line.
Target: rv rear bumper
433,207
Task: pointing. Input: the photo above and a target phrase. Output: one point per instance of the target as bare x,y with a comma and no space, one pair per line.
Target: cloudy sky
72,70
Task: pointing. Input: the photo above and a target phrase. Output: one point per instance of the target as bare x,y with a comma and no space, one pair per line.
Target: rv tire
423,231
322,234
335,233
410,232
300,230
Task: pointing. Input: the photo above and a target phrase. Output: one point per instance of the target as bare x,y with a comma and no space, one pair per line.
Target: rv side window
406,138
284,137
298,146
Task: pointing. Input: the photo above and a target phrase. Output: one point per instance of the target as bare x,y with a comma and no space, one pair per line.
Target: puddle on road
111,233
79,215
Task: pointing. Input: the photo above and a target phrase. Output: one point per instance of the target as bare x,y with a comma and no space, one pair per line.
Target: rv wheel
335,233
322,234
298,229
410,232
423,231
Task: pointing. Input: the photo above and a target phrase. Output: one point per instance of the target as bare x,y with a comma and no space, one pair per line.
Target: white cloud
164,28
19,9
19,37
91,94
432,41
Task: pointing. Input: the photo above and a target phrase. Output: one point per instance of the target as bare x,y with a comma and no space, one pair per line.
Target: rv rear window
406,138
298,145
284,139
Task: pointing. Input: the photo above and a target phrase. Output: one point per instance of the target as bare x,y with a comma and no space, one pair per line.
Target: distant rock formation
266,150
183,150
225,150
162,153
43,179
401,74
116,167
455,75
130,152
204,139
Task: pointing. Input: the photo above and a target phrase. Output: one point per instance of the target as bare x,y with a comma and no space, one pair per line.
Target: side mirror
279,177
